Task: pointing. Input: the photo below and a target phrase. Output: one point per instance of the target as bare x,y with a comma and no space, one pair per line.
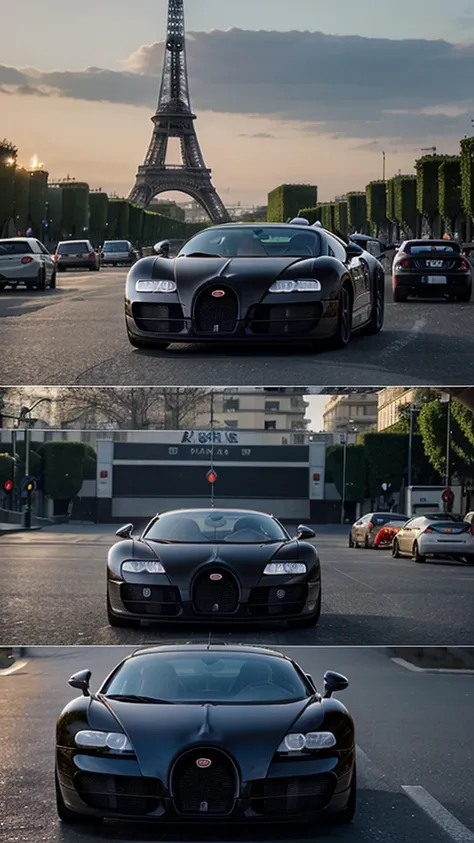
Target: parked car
115,252
76,254
25,260
364,531
431,268
437,537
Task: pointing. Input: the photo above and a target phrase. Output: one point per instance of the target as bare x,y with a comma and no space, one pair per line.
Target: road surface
53,592
76,335
414,777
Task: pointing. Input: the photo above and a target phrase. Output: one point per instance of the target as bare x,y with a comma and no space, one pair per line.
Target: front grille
158,318
129,795
151,600
285,319
277,600
216,315
296,795
215,596
204,790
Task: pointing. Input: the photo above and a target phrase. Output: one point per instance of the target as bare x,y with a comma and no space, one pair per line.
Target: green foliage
387,461
310,214
390,197
36,464
326,215
98,212
55,200
63,468
7,192
21,199
376,194
118,219
7,468
7,150
135,223
357,211
449,187
432,423
340,217
285,200
405,199
467,175
427,191
38,196
75,220
356,470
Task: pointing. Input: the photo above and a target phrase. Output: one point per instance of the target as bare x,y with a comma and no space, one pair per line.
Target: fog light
146,592
311,606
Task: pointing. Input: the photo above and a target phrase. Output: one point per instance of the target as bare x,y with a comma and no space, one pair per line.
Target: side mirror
353,250
81,681
125,532
304,533
162,248
334,682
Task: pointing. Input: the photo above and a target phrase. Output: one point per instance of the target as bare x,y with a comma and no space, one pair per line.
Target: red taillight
405,264
429,530
27,260
463,266
92,256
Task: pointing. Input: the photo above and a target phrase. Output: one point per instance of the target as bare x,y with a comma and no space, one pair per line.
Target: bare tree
130,408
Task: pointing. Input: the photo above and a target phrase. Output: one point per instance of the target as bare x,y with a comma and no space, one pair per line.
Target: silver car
434,536
364,531
76,254
24,260
116,252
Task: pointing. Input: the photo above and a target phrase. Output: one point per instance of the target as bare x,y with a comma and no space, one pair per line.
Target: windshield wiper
137,698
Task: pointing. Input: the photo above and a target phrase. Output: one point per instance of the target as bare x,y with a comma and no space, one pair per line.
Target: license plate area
434,279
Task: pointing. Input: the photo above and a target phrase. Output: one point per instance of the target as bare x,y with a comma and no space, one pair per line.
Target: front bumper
292,791
278,317
413,283
153,597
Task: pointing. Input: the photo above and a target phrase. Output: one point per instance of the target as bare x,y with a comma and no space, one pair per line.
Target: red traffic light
8,486
211,476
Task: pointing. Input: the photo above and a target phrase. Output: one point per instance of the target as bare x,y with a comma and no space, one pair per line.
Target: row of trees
383,457
70,209
437,198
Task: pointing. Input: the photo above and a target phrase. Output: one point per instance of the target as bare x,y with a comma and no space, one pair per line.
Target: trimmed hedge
356,470
310,214
38,196
341,217
357,210
98,211
285,201
118,219
21,199
376,193
135,227
75,221
63,468
467,175
405,193
55,199
7,192
390,200
449,187
7,468
427,190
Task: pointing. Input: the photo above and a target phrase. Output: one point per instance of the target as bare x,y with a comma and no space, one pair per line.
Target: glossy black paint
184,561
249,279
248,734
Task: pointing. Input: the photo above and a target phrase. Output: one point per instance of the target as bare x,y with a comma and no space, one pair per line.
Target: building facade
392,399
356,412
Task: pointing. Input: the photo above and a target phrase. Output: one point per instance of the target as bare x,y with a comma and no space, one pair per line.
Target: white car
434,536
24,260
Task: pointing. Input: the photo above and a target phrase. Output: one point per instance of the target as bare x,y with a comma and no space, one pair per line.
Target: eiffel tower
175,119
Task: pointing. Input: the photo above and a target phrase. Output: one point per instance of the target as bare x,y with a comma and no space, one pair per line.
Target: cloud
346,86
263,135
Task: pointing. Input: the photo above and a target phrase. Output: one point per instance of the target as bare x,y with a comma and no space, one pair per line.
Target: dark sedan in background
431,268
255,283
206,734
213,565
118,253
76,254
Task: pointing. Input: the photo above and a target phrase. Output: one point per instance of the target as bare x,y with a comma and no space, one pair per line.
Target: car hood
250,733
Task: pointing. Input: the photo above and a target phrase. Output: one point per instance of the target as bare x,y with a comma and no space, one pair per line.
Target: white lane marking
440,815
446,670
17,666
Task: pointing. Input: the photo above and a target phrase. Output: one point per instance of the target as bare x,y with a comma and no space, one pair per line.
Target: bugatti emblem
215,577
218,294
281,593
215,607
203,763
203,807
146,592
216,329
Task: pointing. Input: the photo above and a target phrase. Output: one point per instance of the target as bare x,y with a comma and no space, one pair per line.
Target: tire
367,544
417,556
117,621
311,620
137,342
68,816
351,541
399,295
41,283
378,311
395,549
52,283
343,333
346,816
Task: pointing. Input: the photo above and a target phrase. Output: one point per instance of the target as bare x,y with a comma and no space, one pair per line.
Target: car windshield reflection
261,241
211,526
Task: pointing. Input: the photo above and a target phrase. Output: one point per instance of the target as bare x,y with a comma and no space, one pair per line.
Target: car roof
283,225
191,647
214,509
82,240
19,239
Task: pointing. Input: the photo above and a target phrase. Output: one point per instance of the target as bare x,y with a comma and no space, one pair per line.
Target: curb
12,530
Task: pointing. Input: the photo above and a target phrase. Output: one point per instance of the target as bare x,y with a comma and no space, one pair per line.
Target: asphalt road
53,592
76,335
414,778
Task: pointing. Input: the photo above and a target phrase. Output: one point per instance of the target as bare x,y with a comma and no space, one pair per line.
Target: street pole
448,442
212,408
410,447
27,474
14,443
383,166
344,460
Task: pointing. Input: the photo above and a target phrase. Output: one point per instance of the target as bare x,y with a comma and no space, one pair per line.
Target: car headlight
137,566
156,286
116,741
285,568
296,742
303,285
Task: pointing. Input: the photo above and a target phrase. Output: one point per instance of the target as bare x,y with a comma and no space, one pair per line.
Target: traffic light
211,476
30,485
8,486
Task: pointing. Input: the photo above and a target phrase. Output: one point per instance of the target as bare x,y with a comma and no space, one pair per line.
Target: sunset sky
284,92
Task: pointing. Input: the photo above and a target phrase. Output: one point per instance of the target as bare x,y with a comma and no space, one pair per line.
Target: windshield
72,248
211,526
15,247
261,241
390,516
116,247
185,677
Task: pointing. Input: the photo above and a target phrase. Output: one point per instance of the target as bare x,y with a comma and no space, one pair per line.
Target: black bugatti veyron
213,565
203,734
255,283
